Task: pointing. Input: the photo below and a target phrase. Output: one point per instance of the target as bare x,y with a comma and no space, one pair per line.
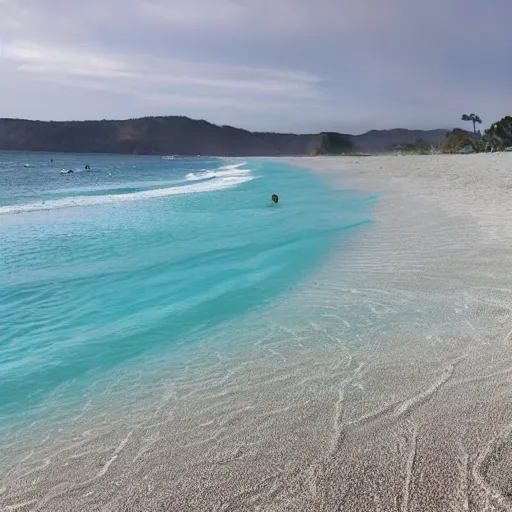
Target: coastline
389,391
435,268
65,452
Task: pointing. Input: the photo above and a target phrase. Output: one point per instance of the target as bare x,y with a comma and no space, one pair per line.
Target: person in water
275,198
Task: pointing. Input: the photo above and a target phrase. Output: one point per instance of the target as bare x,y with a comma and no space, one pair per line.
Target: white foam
227,170
69,202
201,176
233,166
116,186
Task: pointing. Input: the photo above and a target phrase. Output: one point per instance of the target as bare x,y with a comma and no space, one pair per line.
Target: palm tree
474,118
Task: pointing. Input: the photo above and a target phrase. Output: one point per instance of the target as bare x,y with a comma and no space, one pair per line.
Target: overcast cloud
286,65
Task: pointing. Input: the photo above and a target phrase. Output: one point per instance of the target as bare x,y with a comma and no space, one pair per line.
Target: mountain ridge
181,135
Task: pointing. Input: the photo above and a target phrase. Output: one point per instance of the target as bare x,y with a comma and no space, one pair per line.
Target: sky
297,66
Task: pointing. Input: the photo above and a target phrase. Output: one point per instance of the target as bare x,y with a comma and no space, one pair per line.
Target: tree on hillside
499,135
419,146
474,119
457,139
330,143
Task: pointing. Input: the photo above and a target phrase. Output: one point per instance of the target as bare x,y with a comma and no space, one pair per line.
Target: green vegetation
336,144
419,146
498,137
458,139
331,143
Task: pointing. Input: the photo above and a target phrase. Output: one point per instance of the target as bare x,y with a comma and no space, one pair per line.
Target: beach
436,435
381,382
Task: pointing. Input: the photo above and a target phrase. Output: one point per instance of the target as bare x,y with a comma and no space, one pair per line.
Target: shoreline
382,383
442,245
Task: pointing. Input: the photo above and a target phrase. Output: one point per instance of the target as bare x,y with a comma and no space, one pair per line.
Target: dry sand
383,383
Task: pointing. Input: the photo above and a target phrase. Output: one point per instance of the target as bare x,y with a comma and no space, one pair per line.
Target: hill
383,140
184,136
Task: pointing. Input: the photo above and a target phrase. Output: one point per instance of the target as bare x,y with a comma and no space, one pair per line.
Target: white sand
384,383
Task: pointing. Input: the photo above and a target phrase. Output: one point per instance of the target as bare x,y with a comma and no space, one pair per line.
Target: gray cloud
292,65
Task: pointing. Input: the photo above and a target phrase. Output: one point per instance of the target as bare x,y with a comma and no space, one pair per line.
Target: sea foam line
227,170
115,186
70,202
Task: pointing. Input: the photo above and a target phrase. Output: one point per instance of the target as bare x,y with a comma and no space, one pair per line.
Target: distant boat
168,157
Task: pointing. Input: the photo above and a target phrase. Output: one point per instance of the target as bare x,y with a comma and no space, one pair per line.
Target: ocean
143,258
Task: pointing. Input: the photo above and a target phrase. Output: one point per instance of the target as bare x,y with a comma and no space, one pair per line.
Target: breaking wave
227,179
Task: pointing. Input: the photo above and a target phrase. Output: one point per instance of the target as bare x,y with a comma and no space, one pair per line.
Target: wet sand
443,243
383,383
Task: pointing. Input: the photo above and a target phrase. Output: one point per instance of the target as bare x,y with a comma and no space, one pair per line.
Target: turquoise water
143,256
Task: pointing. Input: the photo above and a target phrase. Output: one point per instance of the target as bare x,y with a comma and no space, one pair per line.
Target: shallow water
142,258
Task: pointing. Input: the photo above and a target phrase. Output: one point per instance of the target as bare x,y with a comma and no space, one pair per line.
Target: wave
226,170
225,182
113,188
